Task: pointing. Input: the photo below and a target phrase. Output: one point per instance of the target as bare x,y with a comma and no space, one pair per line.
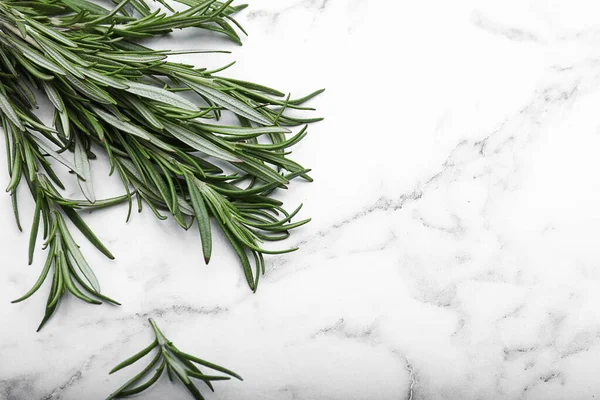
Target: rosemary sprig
71,272
111,94
176,362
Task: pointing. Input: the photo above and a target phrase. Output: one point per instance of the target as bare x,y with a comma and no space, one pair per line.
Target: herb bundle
115,96
175,361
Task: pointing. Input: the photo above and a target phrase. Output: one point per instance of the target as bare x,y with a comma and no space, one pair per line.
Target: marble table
453,251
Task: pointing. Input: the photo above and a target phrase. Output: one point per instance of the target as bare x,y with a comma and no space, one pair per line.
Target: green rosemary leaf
85,229
307,97
7,142
255,86
198,142
135,357
178,368
88,89
201,215
31,69
37,58
53,96
16,173
85,286
34,227
53,297
77,256
40,280
102,79
123,125
112,13
26,93
169,372
209,364
260,170
278,146
22,28
15,207
204,377
34,122
62,265
240,251
51,33
83,164
194,391
64,124
136,378
144,386
141,109
160,95
78,5
230,103
104,202
135,58
55,294
10,113
242,131
58,157
189,365
54,53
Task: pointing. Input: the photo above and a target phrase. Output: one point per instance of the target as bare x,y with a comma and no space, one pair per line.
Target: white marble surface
453,252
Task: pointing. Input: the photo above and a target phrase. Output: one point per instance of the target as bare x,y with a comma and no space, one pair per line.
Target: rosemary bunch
113,95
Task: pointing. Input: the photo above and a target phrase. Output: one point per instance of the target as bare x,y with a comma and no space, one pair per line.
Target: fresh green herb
176,362
115,96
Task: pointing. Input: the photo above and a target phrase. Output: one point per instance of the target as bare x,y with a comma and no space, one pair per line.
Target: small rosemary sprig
176,362
112,95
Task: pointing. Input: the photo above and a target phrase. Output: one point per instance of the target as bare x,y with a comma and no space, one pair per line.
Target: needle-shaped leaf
146,385
241,131
85,229
104,80
35,227
145,112
53,96
39,282
62,266
9,111
224,100
198,142
89,89
160,95
209,365
83,164
135,357
58,157
135,58
53,52
16,173
37,58
201,213
51,33
135,379
122,125
77,256
130,128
